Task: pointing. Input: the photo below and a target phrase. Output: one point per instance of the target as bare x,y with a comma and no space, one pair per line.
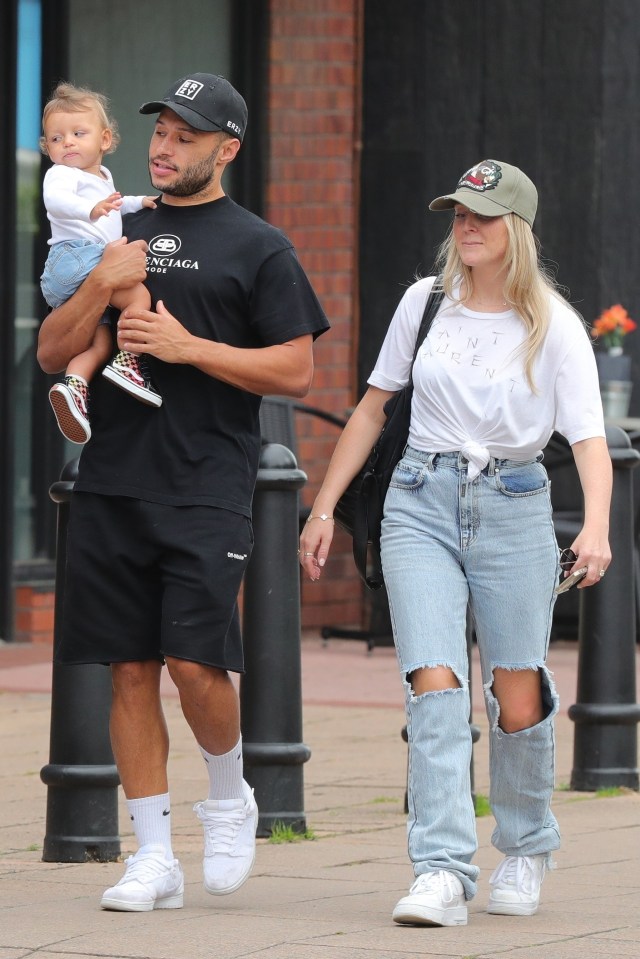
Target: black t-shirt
228,276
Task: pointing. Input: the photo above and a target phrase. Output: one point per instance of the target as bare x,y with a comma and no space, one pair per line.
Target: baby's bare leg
134,297
88,363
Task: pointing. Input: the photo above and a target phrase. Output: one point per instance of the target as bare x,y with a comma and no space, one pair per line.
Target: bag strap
431,307
361,546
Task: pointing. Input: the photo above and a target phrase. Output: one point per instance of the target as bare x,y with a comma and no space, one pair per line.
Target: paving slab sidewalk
330,897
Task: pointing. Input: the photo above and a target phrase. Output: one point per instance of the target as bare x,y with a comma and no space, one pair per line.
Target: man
160,523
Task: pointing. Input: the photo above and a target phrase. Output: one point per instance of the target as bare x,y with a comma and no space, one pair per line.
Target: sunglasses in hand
568,559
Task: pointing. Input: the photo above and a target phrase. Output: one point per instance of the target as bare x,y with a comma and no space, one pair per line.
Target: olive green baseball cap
493,188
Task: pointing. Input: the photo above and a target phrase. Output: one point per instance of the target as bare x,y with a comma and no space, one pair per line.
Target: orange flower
612,325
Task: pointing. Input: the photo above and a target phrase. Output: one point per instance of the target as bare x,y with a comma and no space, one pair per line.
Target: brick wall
312,194
34,608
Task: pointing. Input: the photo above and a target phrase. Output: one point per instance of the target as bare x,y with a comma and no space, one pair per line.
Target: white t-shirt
69,197
470,390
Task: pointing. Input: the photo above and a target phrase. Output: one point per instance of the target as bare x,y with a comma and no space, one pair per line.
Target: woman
468,522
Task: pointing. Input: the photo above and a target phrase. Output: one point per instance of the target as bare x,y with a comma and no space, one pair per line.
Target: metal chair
277,424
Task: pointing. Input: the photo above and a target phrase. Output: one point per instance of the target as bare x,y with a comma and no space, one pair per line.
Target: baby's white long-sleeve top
69,197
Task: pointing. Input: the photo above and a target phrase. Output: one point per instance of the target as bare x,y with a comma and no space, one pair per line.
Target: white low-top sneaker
229,841
515,886
150,882
435,899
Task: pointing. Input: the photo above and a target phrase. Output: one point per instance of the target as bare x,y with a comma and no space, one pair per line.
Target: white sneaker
515,886
150,882
435,899
229,841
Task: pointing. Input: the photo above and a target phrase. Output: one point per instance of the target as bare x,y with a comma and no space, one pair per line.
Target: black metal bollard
271,688
606,713
82,780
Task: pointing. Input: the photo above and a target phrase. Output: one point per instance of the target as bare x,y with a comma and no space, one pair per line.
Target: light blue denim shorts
67,265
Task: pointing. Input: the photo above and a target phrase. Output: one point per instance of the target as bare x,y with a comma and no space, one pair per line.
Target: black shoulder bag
359,509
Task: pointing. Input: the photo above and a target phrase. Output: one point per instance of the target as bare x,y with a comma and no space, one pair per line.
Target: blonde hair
67,98
528,287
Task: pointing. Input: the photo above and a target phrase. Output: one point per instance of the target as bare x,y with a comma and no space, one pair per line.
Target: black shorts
144,581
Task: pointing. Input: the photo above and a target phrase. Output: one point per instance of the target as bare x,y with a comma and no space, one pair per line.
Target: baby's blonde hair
67,98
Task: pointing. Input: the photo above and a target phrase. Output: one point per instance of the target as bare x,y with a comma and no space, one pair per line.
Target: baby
86,213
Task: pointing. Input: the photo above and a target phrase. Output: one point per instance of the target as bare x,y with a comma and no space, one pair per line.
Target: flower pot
614,373
613,365
616,397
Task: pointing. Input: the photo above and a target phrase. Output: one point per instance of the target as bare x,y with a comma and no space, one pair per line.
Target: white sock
225,773
151,818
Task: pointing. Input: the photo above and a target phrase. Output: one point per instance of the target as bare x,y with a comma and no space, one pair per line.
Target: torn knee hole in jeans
549,695
422,681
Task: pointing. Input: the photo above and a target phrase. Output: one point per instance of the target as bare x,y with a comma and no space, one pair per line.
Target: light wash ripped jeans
489,543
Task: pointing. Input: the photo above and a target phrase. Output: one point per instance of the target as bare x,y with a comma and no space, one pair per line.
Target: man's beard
195,179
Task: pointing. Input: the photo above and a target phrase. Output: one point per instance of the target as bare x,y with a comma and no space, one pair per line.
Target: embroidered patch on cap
483,176
189,89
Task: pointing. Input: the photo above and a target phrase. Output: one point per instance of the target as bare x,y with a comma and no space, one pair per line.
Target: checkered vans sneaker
69,401
129,372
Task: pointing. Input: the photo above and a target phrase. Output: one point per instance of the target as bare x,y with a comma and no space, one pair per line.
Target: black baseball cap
207,102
